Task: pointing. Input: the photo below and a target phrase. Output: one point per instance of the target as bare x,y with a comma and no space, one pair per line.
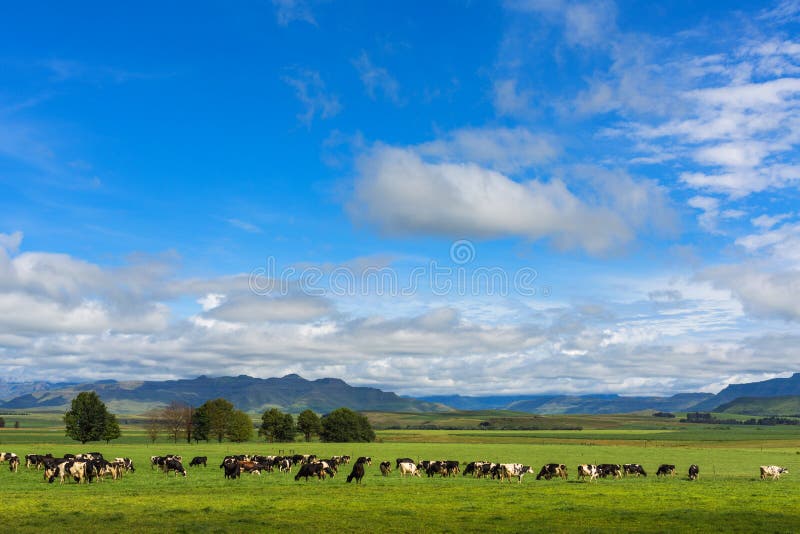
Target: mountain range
294,393
291,393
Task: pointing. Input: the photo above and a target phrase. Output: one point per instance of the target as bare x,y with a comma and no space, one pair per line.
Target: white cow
408,468
774,471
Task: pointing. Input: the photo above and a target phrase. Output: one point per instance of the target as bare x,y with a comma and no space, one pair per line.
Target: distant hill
775,387
784,405
10,390
572,404
291,393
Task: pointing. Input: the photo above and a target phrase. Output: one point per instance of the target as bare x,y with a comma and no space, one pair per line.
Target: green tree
2,423
111,430
212,420
200,424
240,427
277,426
343,424
87,418
309,424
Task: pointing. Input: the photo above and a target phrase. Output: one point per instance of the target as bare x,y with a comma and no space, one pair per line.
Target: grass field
729,497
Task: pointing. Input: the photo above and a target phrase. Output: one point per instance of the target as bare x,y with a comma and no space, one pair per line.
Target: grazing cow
175,465
774,471
694,472
436,468
615,470
284,465
232,468
386,468
514,470
36,460
588,470
548,471
6,456
80,471
313,470
408,468
633,469
13,464
666,470
452,467
357,473
406,460
127,464
198,461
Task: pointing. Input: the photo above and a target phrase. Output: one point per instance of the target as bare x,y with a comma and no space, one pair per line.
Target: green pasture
729,497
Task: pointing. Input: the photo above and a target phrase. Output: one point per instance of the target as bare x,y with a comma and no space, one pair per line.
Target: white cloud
401,193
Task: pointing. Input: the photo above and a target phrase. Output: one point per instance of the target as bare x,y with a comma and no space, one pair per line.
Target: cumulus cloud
403,194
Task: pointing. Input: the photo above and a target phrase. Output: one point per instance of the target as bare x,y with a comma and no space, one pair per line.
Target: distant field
729,497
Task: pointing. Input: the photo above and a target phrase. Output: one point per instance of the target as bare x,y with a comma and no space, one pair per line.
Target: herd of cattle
87,467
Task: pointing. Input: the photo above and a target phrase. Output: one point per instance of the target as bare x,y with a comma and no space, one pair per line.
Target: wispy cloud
288,11
377,79
244,225
310,90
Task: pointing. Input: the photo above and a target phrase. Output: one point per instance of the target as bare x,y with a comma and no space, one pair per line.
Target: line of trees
217,419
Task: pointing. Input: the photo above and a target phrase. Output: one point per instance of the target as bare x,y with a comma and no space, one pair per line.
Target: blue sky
458,197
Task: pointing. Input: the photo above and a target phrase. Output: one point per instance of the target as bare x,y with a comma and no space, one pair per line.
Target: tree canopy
219,419
343,424
89,420
309,424
240,427
277,426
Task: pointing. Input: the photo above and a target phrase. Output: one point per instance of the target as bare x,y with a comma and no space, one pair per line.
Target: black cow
364,459
694,472
232,468
633,469
357,473
665,470
198,461
404,460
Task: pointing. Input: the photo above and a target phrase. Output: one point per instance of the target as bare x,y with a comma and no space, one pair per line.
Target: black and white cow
313,470
774,471
613,470
666,470
548,471
6,456
588,470
175,465
386,468
633,469
510,471
694,472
